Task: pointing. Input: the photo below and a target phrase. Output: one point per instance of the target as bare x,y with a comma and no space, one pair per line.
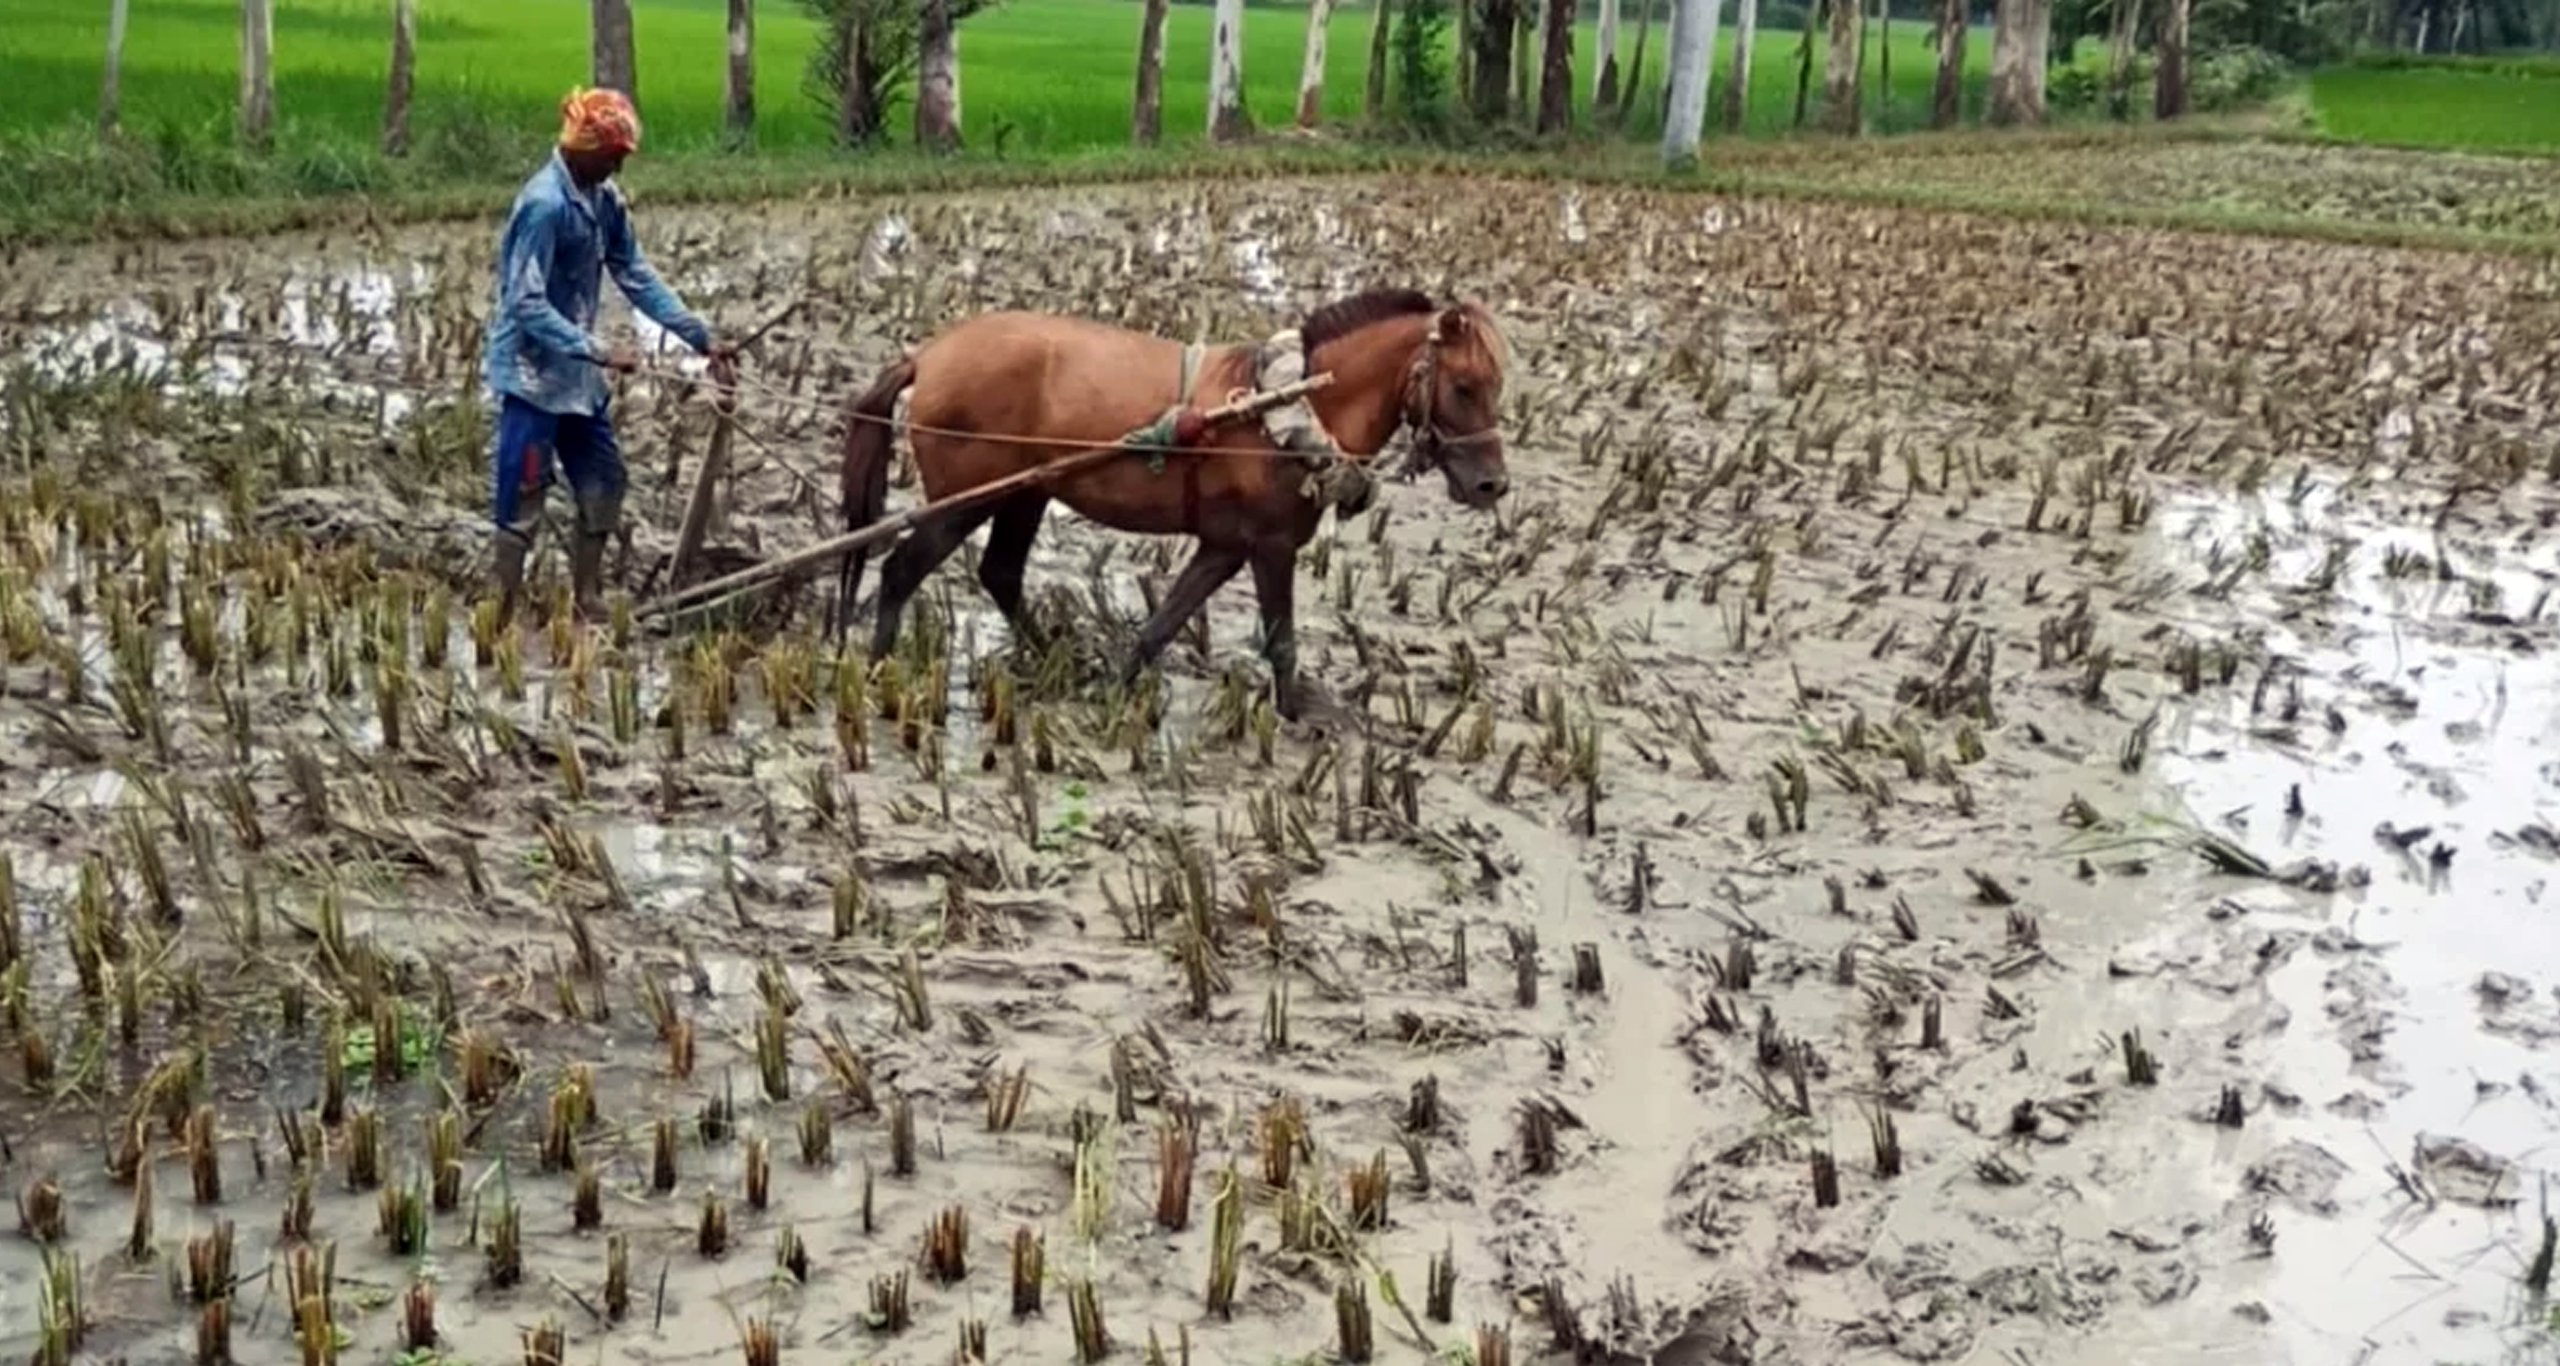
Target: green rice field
1036,75
2513,106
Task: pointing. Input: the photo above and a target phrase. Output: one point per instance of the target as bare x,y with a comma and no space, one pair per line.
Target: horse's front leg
1275,585
1210,568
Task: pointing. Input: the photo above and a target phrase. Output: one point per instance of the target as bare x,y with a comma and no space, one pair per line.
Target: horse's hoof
1306,703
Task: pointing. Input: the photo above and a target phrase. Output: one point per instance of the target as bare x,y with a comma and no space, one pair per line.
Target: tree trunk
937,122
1227,121
111,83
1884,65
1311,66
1635,65
1946,108
2020,29
404,69
856,110
257,71
1492,84
1555,81
1840,83
1737,79
1373,101
2169,88
2127,17
1693,43
1524,20
1804,60
1674,43
1604,62
1463,76
1146,110
741,89
616,65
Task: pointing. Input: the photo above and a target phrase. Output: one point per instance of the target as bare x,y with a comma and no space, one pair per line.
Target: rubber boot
586,574
597,518
509,549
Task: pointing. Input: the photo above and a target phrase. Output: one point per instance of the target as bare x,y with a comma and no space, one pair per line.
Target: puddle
2422,1003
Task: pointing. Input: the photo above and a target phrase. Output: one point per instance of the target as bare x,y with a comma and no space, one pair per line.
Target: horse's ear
1453,323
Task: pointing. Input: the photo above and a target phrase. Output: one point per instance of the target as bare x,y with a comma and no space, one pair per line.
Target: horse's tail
868,447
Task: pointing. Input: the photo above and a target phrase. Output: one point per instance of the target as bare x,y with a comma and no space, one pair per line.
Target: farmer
543,360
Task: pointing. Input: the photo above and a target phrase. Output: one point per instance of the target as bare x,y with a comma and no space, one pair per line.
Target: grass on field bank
1037,76
2017,174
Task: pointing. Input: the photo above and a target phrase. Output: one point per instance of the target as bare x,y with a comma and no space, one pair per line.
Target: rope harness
1431,441
1336,479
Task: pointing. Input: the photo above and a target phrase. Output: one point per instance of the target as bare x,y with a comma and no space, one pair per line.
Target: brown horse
989,391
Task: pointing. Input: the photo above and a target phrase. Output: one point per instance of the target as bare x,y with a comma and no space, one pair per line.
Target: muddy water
2433,985
1775,473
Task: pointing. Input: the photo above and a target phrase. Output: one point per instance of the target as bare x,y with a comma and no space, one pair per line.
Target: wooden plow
1177,429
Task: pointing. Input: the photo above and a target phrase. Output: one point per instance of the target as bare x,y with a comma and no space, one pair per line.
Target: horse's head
1453,402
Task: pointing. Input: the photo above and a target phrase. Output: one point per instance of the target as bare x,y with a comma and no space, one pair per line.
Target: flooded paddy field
1983,798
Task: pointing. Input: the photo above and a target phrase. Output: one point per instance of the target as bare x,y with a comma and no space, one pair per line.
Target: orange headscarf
598,121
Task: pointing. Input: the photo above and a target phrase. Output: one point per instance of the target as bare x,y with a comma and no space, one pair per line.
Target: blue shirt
539,344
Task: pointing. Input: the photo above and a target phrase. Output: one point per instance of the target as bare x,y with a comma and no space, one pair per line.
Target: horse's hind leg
908,566
1008,555
1210,568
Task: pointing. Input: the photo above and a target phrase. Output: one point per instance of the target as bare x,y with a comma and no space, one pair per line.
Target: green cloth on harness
1158,436
1155,439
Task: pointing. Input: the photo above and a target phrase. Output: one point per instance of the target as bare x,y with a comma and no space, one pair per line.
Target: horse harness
1431,441
1333,476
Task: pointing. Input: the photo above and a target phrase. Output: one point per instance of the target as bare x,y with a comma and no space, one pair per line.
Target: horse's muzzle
1476,488
1475,474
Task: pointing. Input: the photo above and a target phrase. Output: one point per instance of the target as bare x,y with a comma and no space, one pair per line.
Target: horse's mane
1348,315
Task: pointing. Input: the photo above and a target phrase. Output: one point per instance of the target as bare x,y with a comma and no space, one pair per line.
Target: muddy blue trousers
534,449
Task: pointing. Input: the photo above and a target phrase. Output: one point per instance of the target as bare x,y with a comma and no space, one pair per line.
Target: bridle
1431,441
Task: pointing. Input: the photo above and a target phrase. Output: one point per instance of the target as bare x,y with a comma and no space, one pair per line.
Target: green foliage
2232,78
2081,88
1776,16
2308,32
885,34
2216,82
2076,21
1422,66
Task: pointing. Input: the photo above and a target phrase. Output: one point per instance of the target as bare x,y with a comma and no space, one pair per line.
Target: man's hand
724,361
625,358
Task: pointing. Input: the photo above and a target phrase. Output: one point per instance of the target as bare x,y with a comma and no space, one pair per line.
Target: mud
1896,618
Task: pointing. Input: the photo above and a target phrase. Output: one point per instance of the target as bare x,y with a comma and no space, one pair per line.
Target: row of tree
871,48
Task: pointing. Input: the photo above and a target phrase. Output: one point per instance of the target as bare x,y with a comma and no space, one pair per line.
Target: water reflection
2414,1012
